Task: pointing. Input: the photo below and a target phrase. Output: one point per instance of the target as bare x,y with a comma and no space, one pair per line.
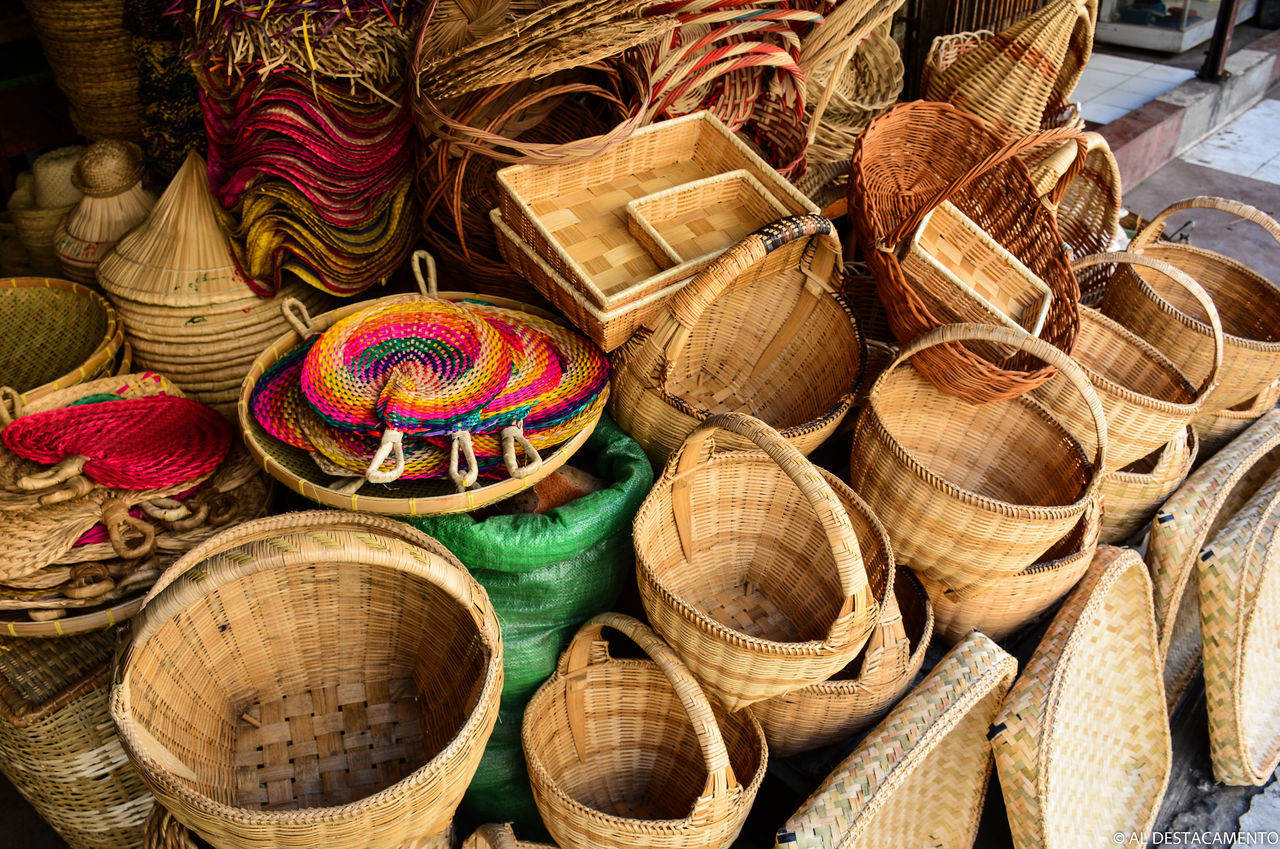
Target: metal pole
1214,68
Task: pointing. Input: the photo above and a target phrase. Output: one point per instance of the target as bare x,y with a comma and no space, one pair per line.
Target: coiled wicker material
908,162
1215,430
498,837
1238,583
1017,78
1018,599
920,777
1247,302
863,692
67,333
1068,782
626,753
163,831
63,755
972,493
1131,496
758,591
762,330
1188,523
288,730
1147,399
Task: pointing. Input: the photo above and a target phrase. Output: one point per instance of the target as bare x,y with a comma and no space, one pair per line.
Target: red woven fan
137,443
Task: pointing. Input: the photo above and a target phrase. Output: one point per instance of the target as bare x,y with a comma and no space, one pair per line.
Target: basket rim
1123,393
1191,440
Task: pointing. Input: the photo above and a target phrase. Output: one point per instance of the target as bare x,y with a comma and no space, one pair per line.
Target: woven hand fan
137,443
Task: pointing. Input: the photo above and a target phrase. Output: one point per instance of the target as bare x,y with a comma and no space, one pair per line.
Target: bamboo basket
762,330
1249,306
1148,401
38,669
920,777
292,732
1215,430
1066,782
163,831
499,837
1018,599
626,753
1132,495
1237,586
759,592
973,493
69,334
36,229
861,694
1187,524
64,757
110,176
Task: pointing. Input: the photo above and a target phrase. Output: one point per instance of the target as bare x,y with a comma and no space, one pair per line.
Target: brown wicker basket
1215,430
627,753
252,718
972,493
1131,496
759,591
857,696
762,330
1249,306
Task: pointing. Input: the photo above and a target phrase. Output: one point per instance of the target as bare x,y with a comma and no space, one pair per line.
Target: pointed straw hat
110,176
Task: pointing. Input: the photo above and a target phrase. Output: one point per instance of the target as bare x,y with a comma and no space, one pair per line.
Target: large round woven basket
627,753
288,728
1068,782
919,778
68,334
1016,600
1164,315
761,330
1187,523
1131,496
972,493
749,566
860,694
163,831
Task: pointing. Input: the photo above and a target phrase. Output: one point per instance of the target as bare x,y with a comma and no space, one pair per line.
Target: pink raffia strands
135,443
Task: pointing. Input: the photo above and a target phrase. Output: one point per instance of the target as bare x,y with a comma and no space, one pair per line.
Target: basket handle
1150,233
1011,150
580,655
687,305
115,515
857,599
1034,346
428,286
1187,282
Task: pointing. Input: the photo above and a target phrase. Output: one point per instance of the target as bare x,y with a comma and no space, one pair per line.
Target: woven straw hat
54,188
108,168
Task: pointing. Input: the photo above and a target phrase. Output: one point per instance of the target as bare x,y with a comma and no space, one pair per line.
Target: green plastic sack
545,575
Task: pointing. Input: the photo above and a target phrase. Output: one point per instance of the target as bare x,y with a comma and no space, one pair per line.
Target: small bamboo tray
699,220
575,215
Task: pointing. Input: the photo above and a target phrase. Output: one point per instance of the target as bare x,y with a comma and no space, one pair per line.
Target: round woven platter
296,469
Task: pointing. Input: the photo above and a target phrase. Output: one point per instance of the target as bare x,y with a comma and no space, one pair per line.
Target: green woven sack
545,575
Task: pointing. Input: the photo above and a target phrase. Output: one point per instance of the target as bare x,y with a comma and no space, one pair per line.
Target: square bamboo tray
574,216
699,220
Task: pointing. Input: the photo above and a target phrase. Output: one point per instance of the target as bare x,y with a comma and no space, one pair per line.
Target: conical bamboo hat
179,256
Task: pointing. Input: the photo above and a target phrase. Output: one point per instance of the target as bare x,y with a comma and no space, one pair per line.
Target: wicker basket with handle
1131,496
1248,304
627,753
972,493
762,330
289,730
1215,430
759,591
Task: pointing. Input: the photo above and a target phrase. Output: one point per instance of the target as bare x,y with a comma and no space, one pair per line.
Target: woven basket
1067,782
64,757
163,831
920,777
1018,599
37,229
286,730
1215,430
855,92
908,162
1237,585
1187,524
972,493
1147,399
1248,304
627,753
69,334
1017,78
861,694
762,330
499,837
759,591
1131,496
